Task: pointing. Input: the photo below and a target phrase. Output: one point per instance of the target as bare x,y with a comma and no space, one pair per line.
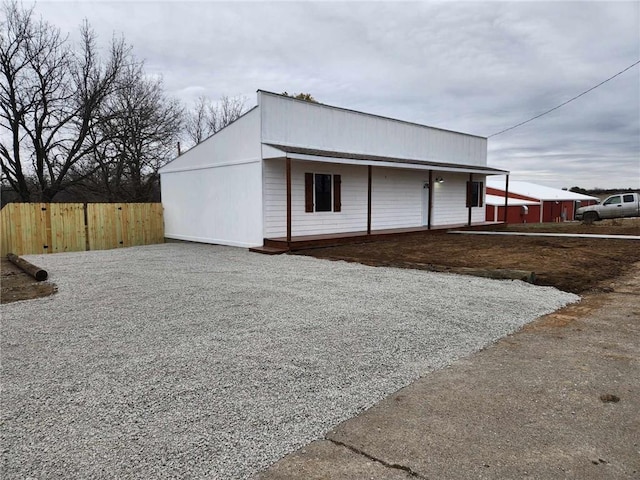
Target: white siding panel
274,198
296,123
220,205
396,198
351,218
449,200
238,142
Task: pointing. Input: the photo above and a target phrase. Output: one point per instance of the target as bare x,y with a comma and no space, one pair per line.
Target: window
475,192
613,200
322,192
628,198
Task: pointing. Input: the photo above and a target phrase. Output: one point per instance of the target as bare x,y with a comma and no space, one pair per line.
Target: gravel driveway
186,360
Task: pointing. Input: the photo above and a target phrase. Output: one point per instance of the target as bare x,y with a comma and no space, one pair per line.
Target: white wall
351,218
286,121
238,142
220,205
396,199
450,200
213,192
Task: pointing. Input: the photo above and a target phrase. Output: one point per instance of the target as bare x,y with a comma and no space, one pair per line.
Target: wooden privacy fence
30,228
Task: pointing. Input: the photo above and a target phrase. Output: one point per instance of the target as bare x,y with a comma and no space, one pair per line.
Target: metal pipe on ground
36,272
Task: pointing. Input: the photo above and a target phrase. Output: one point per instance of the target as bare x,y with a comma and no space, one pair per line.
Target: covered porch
368,195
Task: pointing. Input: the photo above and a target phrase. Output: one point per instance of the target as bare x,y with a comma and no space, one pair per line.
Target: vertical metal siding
213,192
215,205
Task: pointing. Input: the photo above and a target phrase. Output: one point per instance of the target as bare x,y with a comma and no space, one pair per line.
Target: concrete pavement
559,399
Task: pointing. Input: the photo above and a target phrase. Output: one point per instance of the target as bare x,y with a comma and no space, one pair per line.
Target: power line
568,101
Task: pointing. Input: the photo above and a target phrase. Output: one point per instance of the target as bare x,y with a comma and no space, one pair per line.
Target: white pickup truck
616,206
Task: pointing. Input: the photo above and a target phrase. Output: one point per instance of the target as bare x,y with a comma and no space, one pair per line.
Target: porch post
506,200
288,169
430,206
369,201
469,192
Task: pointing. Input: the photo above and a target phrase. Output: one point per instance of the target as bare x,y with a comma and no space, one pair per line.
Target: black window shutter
308,192
337,199
480,193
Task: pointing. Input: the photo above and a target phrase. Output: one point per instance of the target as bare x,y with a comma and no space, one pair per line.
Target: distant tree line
80,125
600,191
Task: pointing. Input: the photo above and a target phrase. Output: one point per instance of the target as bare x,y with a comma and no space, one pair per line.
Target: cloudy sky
476,67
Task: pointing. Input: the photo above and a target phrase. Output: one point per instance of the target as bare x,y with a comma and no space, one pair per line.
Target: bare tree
51,101
226,111
20,41
140,132
196,123
207,118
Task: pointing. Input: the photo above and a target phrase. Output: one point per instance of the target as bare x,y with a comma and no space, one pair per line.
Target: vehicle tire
590,217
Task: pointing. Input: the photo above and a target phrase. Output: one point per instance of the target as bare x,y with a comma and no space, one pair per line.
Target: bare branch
207,118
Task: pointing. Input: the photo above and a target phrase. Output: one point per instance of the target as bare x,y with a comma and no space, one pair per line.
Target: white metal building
290,168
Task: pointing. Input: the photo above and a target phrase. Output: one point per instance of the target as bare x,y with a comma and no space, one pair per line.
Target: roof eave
361,159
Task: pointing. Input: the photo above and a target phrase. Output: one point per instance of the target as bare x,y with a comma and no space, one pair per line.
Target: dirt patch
574,265
17,285
567,315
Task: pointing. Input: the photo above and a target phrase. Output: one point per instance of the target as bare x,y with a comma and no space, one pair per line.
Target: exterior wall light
439,180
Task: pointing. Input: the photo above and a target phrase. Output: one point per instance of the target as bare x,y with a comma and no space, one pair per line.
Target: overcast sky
474,67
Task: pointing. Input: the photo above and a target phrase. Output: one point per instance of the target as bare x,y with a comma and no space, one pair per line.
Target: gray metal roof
376,158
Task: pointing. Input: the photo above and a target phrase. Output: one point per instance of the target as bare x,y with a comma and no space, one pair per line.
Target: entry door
425,203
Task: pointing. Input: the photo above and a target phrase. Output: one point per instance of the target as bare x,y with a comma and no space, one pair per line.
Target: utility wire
568,101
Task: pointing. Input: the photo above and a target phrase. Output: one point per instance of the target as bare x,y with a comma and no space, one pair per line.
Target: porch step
269,250
279,244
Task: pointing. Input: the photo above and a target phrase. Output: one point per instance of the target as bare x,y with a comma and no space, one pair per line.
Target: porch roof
315,155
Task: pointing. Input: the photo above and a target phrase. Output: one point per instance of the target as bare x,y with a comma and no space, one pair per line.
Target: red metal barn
546,204
518,210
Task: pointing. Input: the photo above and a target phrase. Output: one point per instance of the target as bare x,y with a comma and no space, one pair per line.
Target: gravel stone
188,360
